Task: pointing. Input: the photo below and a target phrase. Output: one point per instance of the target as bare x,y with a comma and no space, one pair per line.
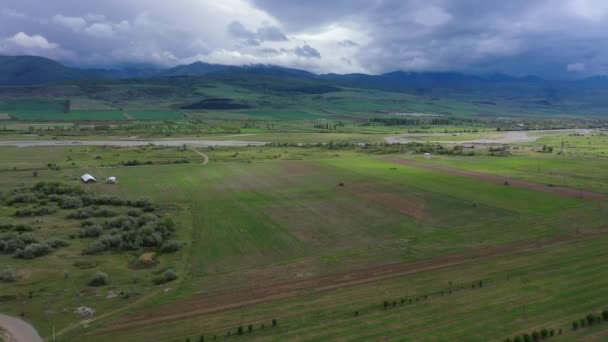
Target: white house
87,178
428,156
111,180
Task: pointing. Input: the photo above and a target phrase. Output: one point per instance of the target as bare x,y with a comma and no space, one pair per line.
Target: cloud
518,36
73,23
347,43
262,34
33,42
11,13
576,67
100,30
307,51
22,43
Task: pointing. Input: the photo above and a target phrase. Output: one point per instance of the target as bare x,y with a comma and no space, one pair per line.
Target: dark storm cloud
553,38
262,34
307,51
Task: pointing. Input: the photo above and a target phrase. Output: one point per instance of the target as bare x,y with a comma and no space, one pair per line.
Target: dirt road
497,179
128,143
19,330
205,157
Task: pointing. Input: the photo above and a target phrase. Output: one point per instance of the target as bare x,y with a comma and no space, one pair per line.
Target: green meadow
272,217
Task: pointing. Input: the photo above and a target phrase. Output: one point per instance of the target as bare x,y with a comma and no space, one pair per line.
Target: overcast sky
551,38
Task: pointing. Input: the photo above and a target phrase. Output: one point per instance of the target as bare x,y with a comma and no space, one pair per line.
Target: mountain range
31,70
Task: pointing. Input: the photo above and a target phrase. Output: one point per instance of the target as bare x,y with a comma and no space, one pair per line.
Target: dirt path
207,304
205,157
128,143
19,330
497,179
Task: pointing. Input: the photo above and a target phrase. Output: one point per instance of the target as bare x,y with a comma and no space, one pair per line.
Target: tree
535,335
544,333
574,325
250,328
274,322
605,315
35,174
201,339
590,319
240,330
527,338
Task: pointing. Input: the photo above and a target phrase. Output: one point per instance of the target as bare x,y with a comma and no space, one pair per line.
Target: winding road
205,157
18,329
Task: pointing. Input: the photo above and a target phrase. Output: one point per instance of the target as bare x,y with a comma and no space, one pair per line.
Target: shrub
23,198
70,202
133,213
91,231
56,243
99,279
7,275
171,246
36,211
33,250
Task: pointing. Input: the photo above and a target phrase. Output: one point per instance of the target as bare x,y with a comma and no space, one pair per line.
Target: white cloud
32,42
73,23
100,30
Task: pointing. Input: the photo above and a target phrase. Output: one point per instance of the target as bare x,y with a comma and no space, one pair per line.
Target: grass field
309,236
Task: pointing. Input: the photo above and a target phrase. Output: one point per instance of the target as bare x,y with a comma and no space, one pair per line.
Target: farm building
428,156
111,180
87,178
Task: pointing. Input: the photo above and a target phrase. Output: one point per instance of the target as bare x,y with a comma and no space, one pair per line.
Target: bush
16,227
7,275
70,202
171,246
56,243
36,211
33,250
167,276
23,198
91,231
99,279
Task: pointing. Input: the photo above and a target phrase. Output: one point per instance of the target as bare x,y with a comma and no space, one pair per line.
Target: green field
261,216
156,115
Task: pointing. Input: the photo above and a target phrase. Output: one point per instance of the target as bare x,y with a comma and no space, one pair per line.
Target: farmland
319,237
300,210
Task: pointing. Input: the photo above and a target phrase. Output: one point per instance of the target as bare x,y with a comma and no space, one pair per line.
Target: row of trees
590,320
534,336
241,330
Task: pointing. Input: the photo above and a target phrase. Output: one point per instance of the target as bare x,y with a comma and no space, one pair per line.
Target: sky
549,38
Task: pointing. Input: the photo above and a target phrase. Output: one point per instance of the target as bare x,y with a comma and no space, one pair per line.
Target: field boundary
202,305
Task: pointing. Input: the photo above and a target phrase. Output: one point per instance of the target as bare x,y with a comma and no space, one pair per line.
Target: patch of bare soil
406,204
497,179
212,303
298,168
